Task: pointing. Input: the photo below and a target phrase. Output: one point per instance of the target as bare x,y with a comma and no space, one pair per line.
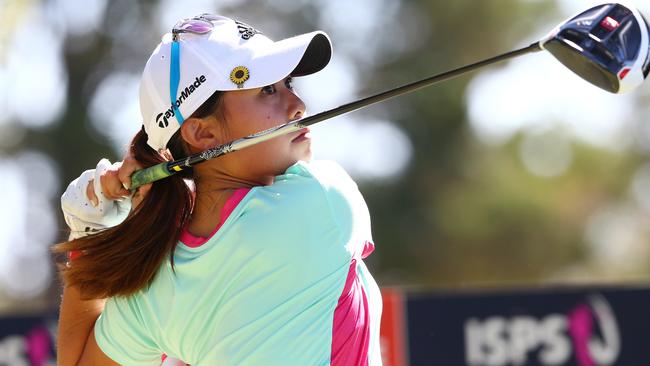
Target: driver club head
607,45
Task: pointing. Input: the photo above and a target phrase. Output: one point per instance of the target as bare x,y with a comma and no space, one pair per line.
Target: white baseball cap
209,53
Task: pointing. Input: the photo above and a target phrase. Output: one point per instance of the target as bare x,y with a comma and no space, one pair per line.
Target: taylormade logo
162,119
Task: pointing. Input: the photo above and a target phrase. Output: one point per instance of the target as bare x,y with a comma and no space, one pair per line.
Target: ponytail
123,259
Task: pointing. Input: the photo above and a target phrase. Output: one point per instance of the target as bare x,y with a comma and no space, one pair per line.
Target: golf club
607,45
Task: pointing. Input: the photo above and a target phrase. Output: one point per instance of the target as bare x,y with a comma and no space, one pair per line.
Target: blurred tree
462,213
467,214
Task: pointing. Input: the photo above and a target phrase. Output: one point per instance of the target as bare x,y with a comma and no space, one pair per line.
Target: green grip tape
149,175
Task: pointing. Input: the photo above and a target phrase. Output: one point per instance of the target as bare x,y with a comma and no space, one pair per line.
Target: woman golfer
254,258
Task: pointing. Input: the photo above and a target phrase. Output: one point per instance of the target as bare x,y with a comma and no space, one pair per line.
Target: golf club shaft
164,170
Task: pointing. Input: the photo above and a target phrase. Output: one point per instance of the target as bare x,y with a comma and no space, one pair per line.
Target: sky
534,94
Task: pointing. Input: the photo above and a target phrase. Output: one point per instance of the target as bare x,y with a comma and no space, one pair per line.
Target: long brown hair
121,260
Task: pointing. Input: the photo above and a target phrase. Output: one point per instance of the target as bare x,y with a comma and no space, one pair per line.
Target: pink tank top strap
234,200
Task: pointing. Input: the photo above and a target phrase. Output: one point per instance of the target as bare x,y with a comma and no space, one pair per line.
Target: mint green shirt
263,290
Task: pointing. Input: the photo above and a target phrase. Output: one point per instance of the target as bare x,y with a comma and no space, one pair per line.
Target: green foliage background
463,213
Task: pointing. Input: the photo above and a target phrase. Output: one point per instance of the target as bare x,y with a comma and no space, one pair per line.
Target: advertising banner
565,326
585,326
28,340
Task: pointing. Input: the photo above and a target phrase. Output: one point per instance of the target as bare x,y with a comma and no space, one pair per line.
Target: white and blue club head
607,45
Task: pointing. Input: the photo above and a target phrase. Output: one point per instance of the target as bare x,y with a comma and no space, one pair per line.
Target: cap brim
296,56
316,56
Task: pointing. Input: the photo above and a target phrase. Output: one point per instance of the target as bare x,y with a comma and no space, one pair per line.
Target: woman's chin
307,156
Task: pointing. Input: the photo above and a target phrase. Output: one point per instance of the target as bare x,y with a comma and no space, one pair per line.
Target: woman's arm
76,343
76,322
93,355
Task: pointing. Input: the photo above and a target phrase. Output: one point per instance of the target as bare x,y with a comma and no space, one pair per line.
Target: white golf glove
81,215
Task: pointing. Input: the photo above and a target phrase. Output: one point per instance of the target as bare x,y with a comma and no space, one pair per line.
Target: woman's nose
296,107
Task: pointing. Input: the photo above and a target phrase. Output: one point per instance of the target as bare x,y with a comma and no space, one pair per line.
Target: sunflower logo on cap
238,75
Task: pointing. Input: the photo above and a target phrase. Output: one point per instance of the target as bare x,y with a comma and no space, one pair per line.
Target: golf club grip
149,175
163,170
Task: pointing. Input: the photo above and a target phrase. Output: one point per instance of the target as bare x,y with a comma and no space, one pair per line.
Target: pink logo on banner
589,348
38,346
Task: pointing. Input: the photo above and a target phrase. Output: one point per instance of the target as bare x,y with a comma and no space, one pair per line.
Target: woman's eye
269,89
288,82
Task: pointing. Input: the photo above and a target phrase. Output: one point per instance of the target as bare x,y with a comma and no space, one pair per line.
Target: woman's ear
200,134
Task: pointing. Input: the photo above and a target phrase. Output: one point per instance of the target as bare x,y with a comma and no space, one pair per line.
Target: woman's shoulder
325,173
320,188
313,204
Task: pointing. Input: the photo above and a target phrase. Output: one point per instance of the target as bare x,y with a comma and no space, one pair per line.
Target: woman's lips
304,135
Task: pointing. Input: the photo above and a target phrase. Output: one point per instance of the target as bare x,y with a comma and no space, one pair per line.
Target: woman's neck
213,188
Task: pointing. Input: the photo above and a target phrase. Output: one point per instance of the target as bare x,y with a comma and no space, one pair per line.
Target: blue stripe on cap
174,79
